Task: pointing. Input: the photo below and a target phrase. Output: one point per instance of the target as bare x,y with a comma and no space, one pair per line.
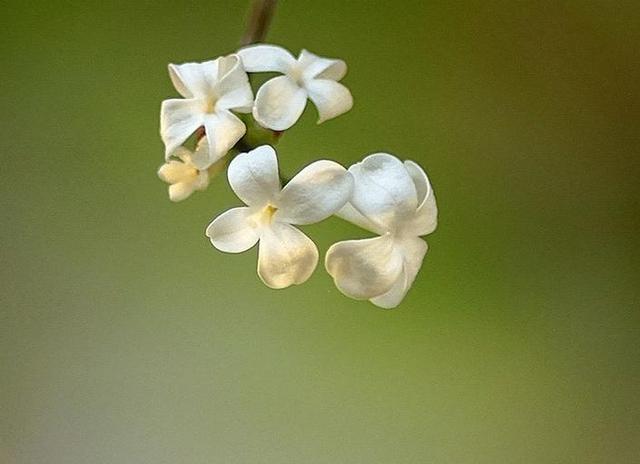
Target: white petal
315,193
178,120
194,79
254,176
383,191
349,213
279,103
364,269
286,256
413,251
180,191
233,89
331,98
426,218
233,231
260,58
315,66
223,130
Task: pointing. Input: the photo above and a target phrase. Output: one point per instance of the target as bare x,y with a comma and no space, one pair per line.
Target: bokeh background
126,338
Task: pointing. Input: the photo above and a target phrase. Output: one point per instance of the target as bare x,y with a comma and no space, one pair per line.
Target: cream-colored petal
413,252
383,191
178,120
194,79
180,191
279,103
254,176
364,269
425,219
233,231
315,66
314,194
174,171
286,256
331,98
263,58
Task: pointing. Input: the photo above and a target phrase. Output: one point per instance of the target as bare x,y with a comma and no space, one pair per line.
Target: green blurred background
126,338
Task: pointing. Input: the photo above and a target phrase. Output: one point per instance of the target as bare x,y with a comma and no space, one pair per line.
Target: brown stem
259,20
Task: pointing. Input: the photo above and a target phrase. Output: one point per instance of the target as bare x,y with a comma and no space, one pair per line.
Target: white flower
184,176
210,90
281,100
286,256
394,200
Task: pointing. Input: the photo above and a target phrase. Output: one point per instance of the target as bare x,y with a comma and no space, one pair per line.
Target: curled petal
178,120
223,130
286,256
383,191
316,67
254,177
315,193
194,79
364,269
233,89
233,231
279,103
331,98
426,218
413,251
261,58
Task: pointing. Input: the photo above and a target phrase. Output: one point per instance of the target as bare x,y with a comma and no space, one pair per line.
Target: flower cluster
381,194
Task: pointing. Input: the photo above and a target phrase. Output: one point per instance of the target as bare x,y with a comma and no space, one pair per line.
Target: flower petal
175,171
413,251
223,130
180,191
178,120
349,213
286,256
254,176
331,98
194,79
279,103
426,218
315,66
364,269
315,193
383,191
233,231
261,58
233,89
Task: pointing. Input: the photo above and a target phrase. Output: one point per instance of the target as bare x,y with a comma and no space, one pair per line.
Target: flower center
209,105
295,73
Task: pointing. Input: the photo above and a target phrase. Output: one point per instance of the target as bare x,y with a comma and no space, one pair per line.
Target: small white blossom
210,90
185,176
395,201
286,256
281,100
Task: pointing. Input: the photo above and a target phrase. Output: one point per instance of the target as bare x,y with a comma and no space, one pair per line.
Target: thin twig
259,21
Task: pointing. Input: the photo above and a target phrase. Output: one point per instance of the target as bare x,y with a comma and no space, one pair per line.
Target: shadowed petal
233,231
279,103
331,98
286,256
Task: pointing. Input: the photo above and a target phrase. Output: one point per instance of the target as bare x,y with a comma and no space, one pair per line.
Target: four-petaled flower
185,176
210,90
394,200
281,100
286,256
